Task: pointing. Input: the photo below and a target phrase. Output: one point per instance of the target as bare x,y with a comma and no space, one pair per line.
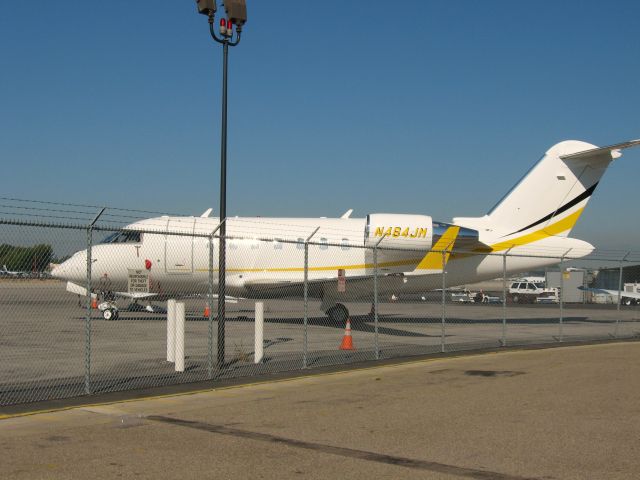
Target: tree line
26,259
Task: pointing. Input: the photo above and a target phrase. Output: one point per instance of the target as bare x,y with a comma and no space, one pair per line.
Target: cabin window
124,237
344,245
323,243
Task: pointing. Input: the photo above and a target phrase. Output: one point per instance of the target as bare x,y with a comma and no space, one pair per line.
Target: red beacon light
223,26
229,27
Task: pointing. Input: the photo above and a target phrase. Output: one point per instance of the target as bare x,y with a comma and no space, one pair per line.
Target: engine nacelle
399,231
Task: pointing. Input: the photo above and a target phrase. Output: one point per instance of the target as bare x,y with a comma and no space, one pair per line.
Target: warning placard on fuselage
138,281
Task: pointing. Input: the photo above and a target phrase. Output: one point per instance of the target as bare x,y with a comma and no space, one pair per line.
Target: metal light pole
236,15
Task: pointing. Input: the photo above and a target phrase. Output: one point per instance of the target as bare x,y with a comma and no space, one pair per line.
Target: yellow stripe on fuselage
561,226
434,259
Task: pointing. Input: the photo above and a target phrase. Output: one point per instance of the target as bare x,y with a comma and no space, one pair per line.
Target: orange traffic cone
347,339
207,311
94,303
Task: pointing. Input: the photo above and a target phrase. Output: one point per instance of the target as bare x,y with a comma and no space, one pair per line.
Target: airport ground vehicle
630,294
467,296
523,291
412,250
463,296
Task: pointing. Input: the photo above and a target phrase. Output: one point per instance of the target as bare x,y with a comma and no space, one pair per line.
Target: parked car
528,292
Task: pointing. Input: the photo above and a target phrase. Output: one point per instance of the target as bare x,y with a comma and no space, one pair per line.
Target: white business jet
531,225
4,272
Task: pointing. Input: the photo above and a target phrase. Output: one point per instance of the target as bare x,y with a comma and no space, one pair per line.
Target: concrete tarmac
562,413
43,338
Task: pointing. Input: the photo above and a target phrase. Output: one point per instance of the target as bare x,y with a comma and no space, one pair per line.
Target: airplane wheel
109,314
338,313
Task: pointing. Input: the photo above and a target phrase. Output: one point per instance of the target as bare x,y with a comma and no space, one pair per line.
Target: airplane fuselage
265,258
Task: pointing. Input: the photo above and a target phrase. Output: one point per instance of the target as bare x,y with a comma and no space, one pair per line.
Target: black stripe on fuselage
586,194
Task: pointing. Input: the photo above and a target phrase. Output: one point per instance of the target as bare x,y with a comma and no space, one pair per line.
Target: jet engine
399,231
403,240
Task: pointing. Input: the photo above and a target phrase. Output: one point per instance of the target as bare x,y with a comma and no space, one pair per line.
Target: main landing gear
338,314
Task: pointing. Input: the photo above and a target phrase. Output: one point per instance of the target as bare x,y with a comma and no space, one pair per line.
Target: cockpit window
123,237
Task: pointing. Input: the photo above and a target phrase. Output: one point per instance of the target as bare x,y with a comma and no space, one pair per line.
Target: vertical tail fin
553,194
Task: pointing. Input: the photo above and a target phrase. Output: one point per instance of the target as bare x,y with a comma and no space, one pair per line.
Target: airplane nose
73,269
59,271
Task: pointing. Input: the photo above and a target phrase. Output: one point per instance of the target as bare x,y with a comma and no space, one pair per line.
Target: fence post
616,330
305,320
87,320
375,299
258,335
444,298
504,300
171,330
210,303
561,299
561,323
210,319
179,343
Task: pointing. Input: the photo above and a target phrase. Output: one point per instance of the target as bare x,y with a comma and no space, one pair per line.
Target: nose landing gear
109,313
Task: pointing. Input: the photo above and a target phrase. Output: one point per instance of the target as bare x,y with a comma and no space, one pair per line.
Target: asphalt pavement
562,413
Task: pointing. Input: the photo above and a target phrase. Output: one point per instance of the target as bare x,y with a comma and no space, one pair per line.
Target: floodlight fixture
236,12
206,7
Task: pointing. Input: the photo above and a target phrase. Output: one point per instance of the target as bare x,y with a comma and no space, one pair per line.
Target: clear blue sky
436,109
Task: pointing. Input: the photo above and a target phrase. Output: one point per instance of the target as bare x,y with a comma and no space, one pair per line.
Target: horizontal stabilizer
593,152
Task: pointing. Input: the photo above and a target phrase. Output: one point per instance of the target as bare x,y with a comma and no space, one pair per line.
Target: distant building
609,278
571,280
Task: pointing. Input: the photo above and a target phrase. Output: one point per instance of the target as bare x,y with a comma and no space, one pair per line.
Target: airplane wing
613,293
282,287
79,290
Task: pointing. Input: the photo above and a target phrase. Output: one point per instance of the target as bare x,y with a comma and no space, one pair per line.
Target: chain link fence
326,299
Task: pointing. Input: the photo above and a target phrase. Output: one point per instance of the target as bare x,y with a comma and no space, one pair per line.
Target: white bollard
180,320
259,333
171,330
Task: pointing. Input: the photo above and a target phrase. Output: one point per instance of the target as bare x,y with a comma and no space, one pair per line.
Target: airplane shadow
364,323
